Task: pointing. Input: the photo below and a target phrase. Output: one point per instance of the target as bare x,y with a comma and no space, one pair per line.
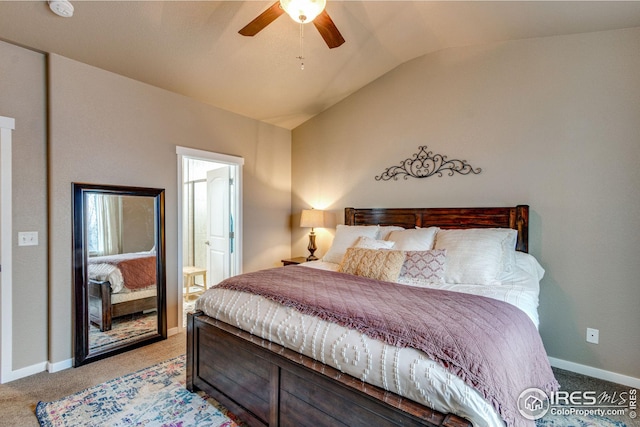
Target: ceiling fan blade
262,20
328,30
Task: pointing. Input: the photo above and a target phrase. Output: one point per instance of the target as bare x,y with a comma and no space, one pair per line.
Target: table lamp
315,219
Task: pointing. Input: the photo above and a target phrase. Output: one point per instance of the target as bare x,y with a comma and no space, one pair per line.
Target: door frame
209,156
7,125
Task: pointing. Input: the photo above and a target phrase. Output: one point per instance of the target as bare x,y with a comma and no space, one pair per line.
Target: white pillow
347,236
526,270
418,239
385,230
530,264
369,243
476,255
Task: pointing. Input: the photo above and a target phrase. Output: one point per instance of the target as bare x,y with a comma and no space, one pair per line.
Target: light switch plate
28,238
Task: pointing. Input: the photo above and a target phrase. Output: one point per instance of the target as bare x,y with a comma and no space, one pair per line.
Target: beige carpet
18,399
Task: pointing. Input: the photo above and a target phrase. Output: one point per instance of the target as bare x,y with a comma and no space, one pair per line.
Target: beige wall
109,129
22,96
104,128
553,122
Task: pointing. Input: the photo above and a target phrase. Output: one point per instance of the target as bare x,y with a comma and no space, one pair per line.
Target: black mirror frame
80,278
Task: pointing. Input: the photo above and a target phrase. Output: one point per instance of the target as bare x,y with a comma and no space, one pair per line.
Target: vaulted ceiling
193,48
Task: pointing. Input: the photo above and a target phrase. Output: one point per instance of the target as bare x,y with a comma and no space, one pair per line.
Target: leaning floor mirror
119,269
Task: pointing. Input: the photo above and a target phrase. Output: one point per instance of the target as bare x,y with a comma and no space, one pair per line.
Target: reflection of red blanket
138,269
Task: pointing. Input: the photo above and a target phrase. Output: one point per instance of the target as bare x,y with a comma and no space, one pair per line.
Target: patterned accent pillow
424,265
372,263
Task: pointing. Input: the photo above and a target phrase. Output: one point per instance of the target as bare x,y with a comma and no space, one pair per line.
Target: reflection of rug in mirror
124,328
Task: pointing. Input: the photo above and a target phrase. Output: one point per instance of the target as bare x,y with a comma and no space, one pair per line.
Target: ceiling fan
302,11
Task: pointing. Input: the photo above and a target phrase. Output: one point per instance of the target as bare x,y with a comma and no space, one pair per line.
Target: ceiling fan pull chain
301,57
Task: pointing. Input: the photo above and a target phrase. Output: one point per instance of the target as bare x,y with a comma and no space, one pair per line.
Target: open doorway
210,225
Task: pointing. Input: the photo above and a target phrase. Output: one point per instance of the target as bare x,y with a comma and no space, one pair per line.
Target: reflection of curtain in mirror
104,224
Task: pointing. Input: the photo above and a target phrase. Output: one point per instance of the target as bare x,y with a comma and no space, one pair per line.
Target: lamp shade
312,218
303,11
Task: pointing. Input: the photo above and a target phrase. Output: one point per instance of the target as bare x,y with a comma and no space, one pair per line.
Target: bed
275,360
120,285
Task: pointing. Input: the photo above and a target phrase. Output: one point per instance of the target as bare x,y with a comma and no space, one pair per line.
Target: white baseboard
66,364
595,372
52,367
59,366
25,372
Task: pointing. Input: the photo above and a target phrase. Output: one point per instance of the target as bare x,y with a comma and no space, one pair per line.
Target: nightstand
294,261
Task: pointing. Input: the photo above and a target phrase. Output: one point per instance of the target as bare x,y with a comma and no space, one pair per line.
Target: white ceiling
193,48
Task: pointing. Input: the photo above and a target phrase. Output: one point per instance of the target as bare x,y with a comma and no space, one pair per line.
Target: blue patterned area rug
157,397
154,396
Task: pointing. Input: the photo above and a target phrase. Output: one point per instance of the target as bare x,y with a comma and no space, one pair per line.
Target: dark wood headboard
511,217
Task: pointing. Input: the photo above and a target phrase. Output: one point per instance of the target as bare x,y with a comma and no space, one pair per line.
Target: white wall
553,122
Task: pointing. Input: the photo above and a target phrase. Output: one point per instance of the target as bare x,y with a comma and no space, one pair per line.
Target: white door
218,226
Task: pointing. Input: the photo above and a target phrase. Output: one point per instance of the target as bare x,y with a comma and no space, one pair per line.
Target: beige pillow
376,264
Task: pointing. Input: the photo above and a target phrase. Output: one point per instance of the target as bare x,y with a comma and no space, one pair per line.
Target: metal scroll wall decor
425,164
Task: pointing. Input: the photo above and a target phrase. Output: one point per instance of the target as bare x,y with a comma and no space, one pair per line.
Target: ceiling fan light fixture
303,11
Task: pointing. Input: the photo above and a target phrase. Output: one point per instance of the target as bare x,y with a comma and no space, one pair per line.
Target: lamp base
312,246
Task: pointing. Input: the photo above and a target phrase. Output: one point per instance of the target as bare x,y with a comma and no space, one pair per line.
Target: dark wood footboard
100,304
266,384
102,311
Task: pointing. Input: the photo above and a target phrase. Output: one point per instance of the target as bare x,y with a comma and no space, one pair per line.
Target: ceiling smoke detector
61,8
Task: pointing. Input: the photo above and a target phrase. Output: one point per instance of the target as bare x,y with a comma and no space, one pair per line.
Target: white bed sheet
107,273
127,295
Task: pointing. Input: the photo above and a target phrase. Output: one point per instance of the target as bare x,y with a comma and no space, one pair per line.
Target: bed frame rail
279,387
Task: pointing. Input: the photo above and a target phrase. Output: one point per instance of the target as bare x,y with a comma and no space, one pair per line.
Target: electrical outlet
593,335
28,238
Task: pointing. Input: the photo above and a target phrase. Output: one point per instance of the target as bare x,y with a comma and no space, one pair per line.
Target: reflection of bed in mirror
120,285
